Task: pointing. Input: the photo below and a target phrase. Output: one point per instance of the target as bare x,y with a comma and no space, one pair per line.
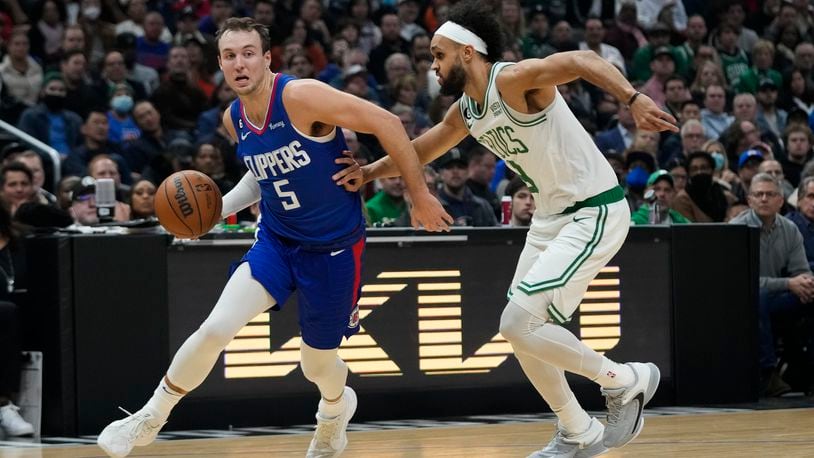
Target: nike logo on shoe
640,399
334,253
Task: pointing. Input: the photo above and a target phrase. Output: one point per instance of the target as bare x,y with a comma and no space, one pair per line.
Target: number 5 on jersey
292,202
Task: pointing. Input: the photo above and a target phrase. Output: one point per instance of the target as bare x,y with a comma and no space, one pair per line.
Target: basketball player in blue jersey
581,217
310,236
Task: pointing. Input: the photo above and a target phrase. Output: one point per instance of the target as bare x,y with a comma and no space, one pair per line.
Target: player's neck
256,103
477,81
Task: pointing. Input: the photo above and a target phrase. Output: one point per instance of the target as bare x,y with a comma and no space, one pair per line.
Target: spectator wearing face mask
49,121
639,165
121,125
703,200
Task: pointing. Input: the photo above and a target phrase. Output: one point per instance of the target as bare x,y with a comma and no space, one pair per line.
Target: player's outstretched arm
247,191
560,68
310,101
428,146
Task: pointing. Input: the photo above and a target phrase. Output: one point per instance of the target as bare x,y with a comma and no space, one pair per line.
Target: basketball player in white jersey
581,220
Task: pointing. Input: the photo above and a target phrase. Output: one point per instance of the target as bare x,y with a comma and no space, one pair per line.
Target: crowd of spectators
130,90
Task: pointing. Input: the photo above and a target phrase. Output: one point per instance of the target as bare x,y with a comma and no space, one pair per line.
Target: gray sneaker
582,445
625,405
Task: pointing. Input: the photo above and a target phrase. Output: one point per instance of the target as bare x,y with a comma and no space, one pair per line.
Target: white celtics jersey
550,150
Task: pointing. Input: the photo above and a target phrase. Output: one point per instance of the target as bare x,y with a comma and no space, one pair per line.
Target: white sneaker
138,429
625,405
584,445
331,437
13,423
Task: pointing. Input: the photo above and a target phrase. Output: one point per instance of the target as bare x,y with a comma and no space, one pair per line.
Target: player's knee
511,327
315,370
213,336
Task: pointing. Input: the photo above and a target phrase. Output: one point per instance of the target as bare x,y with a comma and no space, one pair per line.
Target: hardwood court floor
780,433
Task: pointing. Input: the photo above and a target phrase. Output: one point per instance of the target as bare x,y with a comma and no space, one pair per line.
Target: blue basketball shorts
328,285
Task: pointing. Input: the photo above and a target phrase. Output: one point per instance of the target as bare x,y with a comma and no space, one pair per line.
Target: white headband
462,35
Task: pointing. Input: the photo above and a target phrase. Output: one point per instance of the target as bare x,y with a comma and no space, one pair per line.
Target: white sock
573,417
331,409
163,400
614,375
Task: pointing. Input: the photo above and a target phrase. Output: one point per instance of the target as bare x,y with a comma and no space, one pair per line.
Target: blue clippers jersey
300,201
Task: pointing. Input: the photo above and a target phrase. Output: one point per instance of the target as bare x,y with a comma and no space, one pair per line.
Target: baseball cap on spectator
453,156
354,70
121,86
662,51
51,76
85,186
750,155
766,83
640,156
538,9
187,12
659,28
612,154
659,175
12,148
38,215
125,40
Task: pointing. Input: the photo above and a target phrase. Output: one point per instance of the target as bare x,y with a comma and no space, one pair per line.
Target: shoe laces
134,426
327,430
9,411
614,405
10,407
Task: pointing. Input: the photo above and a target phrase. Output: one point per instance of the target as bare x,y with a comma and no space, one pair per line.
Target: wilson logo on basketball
181,197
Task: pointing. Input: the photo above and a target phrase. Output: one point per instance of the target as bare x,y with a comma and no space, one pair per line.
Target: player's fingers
347,153
414,222
344,172
658,123
666,116
355,177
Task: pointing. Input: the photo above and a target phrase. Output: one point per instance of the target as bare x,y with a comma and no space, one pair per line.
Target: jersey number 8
292,202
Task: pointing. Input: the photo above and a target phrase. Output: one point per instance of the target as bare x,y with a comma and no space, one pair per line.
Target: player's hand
352,176
428,213
649,116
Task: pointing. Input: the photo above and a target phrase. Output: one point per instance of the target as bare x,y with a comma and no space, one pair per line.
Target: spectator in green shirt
657,36
661,184
387,207
734,60
762,59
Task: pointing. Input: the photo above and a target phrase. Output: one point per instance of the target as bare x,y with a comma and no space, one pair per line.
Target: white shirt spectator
25,87
609,53
647,12
129,26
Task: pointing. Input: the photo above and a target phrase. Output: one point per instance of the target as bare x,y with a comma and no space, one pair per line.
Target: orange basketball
188,204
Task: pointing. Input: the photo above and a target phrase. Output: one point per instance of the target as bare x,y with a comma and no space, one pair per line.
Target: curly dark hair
478,17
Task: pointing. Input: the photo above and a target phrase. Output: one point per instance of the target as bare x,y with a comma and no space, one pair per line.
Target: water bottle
655,213
506,210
